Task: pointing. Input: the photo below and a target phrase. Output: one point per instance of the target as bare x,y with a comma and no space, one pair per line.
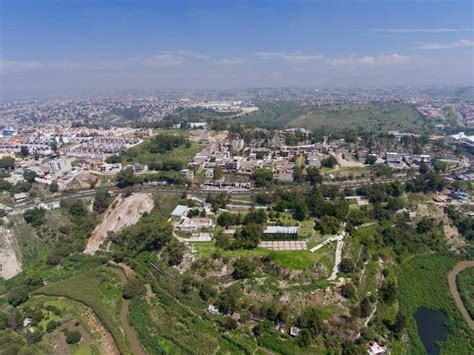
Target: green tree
113,159
29,176
329,162
348,291
262,177
346,265
426,224
72,336
298,174
35,216
262,198
313,175
229,299
300,209
243,268
328,225
311,319
424,168
18,295
440,166
175,252
370,159
53,187
365,308
133,288
51,326
7,163
24,151
249,236
125,178
102,200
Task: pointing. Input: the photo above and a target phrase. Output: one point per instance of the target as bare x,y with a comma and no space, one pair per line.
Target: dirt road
132,336
455,292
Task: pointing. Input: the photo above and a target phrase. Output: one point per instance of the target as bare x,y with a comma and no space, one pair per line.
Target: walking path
339,246
455,292
326,242
132,336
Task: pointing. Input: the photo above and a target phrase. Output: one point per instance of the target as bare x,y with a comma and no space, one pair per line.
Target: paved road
455,292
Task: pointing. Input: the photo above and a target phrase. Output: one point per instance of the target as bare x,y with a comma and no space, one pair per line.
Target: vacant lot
144,154
372,116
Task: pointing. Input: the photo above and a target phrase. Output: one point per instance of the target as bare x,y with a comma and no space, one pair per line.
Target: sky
57,45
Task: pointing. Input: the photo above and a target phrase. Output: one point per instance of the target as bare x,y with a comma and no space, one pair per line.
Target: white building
460,139
179,212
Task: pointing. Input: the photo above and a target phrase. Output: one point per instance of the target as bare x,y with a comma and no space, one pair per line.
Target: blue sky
86,44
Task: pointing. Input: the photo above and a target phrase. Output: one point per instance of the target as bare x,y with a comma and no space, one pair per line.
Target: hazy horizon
51,46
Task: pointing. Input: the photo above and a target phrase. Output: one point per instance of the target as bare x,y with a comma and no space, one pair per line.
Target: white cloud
188,54
231,61
164,60
15,66
294,58
419,30
389,59
461,43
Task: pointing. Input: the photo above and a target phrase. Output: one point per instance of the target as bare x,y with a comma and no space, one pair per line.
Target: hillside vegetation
334,117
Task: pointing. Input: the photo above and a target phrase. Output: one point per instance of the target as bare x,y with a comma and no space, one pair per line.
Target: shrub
51,326
18,295
35,216
243,268
53,187
72,337
133,288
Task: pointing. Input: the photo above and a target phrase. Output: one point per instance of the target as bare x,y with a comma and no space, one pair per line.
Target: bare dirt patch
123,212
9,261
82,180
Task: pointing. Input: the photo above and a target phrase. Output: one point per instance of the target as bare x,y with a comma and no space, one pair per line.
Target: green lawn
296,260
82,349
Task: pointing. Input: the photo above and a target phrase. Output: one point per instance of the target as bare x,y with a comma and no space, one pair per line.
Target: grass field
296,260
465,282
139,154
372,116
424,282
89,289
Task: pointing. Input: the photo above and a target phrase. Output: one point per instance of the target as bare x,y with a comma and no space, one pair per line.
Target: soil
123,212
9,263
132,336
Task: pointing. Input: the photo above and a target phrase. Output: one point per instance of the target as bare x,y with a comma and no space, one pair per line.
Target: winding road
455,292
